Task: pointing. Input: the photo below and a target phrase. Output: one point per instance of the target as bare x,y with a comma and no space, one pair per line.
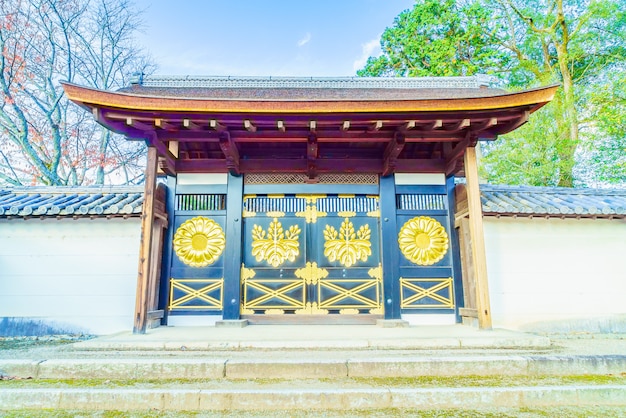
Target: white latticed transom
347,178
275,178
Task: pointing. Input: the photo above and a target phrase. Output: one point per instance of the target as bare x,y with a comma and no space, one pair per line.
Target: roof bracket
229,148
393,150
453,155
166,160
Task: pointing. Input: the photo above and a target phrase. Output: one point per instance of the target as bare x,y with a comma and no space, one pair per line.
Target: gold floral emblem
423,241
199,242
347,246
278,246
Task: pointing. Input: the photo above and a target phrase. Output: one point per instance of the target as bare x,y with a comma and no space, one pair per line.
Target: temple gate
312,200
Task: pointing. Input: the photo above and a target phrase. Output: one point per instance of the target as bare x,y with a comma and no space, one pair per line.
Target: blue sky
265,37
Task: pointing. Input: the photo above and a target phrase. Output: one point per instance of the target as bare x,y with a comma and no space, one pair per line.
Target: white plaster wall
557,275
202,178
75,275
411,179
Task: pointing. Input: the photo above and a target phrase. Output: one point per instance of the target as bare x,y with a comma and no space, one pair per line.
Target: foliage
577,43
574,43
607,152
526,156
44,139
438,38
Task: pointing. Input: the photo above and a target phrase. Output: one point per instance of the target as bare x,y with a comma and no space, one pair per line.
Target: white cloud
368,49
305,40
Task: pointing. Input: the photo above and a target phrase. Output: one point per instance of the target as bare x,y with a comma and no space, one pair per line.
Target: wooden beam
479,128
299,165
323,135
172,147
311,155
201,165
393,150
138,124
161,124
462,124
165,168
477,237
168,157
436,124
491,122
376,126
519,121
420,165
408,126
280,125
249,126
454,154
189,124
229,148
97,115
216,126
145,259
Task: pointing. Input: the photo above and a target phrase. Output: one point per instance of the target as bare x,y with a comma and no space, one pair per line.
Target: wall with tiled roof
71,201
497,200
552,201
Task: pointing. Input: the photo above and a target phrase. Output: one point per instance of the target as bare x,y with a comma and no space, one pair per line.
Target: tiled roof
473,82
314,89
127,200
71,201
552,201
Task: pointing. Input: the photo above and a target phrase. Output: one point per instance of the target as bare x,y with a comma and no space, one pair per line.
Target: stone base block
231,323
392,323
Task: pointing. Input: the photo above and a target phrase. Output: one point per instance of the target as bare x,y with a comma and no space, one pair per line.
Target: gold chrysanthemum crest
199,241
276,245
423,241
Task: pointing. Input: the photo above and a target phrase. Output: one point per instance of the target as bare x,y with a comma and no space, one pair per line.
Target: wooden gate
308,256
196,278
426,263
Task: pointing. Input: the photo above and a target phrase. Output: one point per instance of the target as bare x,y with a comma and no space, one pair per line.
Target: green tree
572,42
577,43
607,152
438,38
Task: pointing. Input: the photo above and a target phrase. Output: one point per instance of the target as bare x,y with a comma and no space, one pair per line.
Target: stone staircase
251,373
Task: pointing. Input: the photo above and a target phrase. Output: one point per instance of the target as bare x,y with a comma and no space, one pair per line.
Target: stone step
315,337
302,365
328,397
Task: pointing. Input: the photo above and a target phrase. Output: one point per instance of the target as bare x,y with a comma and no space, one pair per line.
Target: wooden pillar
477,238
147,219
389,244
232,252
455,249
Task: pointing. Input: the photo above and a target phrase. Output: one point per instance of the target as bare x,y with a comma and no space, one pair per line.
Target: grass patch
413,382
493,381
24,343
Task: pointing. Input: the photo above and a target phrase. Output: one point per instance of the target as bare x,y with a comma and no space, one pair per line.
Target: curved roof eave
90,97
